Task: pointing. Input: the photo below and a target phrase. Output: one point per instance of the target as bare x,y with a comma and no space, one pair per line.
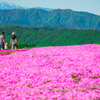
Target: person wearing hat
13,41
2,40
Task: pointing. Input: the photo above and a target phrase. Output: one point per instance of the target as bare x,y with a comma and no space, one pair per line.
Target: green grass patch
4,52
57,67
94,77
30,86
75,78
46,82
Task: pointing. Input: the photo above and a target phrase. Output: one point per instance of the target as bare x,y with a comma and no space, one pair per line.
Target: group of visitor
13,42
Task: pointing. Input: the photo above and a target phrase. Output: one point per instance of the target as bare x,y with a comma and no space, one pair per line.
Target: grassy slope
51,37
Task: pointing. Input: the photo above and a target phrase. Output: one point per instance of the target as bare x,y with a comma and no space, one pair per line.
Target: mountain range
5,6
61,18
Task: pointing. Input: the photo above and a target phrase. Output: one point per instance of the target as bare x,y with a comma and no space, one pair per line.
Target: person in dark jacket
13,41
2,40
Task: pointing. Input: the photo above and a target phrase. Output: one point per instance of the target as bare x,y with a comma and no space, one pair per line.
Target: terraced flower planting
7,52
51,73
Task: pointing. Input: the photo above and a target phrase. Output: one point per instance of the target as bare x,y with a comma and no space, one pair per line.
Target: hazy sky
92,6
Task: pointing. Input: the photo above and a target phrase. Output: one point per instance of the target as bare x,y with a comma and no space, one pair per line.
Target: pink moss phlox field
51,73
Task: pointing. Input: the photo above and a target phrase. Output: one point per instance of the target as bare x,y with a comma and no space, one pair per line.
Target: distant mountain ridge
64,18
60,18
47,9
6,6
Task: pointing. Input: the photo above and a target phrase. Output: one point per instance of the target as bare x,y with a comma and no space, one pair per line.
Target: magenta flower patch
51,73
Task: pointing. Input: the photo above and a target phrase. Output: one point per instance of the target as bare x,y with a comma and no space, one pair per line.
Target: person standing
2,40
13,41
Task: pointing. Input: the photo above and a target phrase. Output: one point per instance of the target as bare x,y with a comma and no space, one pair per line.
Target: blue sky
92,6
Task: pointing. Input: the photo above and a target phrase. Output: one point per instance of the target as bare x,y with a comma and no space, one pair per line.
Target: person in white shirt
6,46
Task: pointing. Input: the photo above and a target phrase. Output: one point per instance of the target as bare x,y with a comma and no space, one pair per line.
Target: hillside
59,18
51,37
